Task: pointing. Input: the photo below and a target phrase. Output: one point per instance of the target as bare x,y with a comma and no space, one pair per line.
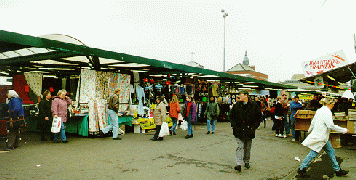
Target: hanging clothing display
141,98
34,80
214,89
87,85
124,97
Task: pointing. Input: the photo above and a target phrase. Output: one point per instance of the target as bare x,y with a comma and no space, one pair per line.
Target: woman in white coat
318,137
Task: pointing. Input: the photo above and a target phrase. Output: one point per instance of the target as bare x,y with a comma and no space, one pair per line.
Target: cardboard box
351,126
335,140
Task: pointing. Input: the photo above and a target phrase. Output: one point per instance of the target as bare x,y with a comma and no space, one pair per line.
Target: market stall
92,74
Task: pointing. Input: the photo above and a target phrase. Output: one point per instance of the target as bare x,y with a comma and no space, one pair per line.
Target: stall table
78,124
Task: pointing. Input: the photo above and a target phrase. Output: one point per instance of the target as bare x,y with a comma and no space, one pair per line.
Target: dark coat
44,108
245,119
279,110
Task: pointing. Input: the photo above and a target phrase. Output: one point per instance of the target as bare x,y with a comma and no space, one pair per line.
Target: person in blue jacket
294,107
17,120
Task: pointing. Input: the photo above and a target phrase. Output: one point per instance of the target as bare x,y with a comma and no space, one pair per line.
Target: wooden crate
302,124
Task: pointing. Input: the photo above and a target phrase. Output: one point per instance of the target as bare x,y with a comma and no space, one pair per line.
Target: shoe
160,139
66,141
153,139
116,138
212,133
174,133
284,136
188,136
293,139
247,165
276,135
302,174
208,132
341,172
238,168
170,132
101,134
280,135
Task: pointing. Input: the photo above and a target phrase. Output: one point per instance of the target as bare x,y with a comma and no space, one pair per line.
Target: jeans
158,129
174,120
243,151
286,124
330,151
292,125
61,133
114,124
212,124
190,128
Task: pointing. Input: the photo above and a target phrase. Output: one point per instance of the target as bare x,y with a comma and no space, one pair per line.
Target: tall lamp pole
224,16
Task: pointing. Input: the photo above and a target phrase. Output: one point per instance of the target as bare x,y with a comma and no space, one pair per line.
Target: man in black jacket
245,118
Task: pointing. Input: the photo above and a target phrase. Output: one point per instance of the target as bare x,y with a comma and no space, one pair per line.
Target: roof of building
54,56
240,67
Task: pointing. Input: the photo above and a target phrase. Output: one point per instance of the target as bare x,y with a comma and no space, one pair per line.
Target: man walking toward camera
245,118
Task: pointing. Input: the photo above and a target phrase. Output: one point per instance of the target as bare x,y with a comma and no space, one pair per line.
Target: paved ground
136,157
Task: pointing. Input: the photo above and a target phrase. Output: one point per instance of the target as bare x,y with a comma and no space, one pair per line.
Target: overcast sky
277,34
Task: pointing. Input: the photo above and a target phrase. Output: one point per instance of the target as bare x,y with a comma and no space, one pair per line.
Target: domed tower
246,61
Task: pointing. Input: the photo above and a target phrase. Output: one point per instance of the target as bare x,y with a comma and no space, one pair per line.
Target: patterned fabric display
102,82
124,85
87,85
34,80
92,123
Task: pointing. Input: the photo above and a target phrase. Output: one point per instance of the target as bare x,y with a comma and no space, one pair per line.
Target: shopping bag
180,117
56,125
184,125
164,130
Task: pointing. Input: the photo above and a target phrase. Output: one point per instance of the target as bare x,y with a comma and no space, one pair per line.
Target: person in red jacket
174,109
59,109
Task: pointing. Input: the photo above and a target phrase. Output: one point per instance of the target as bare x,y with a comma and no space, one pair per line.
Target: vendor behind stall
344,106
314,103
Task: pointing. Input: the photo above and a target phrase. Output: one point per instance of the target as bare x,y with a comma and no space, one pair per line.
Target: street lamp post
224,16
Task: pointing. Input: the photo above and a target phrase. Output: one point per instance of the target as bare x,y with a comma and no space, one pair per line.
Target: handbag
184,125
56,125
164,130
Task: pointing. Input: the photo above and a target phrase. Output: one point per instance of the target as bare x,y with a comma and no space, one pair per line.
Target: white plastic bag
56,125
184,125
164,130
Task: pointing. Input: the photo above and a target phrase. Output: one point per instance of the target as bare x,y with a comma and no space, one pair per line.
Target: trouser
45,129
174,120
243,151
330,151
61,133
210,123
158,129
13,138
286,124
279,126
114,124
190,128
292,125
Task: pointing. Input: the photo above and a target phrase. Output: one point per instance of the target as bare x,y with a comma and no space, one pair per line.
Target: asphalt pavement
205,156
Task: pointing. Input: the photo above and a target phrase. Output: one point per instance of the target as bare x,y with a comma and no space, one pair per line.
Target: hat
243,92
